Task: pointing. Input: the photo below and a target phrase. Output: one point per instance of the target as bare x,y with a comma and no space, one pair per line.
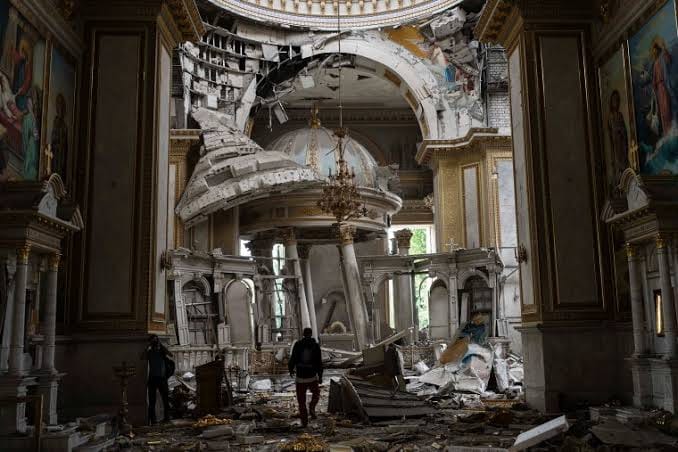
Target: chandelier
340,197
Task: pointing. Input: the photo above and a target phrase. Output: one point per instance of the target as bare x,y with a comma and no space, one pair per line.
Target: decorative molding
394,13
475,138
187,18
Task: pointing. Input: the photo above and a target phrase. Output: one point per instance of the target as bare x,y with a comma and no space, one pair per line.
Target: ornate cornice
322,14
500,19
476,137
492,20
329,116
187,18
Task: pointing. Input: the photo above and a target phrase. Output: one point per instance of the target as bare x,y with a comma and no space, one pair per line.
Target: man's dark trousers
157,384
314,386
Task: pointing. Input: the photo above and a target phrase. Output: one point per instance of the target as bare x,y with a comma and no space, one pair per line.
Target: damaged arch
384,59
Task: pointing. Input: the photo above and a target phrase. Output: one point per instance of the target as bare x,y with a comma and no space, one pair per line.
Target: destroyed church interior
471,204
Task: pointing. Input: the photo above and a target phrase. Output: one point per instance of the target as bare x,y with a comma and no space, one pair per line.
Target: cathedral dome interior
317,147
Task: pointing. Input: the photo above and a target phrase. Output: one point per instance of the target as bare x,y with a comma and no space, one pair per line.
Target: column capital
660,242
304,251
346,234
22,254
53,262
403,237
288,236
631,251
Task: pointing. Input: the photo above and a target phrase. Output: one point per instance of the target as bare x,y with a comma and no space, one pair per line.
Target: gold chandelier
340,197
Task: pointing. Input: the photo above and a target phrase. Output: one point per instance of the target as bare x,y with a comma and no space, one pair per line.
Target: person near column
160,368
306,366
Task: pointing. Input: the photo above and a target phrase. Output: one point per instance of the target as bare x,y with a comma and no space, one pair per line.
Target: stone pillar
16,356
304,254
404,301
291,252
636,301
50,313
564,259
668,306
354,294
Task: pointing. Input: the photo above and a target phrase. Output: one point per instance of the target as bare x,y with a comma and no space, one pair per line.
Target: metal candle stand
124,373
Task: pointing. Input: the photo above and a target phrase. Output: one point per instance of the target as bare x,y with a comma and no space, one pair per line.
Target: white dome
317,148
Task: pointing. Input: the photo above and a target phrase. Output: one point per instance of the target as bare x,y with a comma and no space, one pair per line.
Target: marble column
404,301
668,307
354,294
291,252
9,315
50,313
16,356
304,254
636,301
263,247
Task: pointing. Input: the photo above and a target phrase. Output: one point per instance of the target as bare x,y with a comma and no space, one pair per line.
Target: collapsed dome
317,147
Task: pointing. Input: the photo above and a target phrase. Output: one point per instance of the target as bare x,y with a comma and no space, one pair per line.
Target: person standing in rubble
306,366
160,367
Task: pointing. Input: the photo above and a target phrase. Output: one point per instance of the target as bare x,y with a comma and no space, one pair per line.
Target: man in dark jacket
157,355
306,364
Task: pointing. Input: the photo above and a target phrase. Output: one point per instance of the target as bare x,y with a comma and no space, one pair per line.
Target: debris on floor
465,396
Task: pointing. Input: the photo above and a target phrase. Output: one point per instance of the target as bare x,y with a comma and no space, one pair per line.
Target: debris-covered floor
265,420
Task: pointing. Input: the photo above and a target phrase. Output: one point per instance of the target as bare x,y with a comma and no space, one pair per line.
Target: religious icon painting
653,54
22,68
60,114
616,118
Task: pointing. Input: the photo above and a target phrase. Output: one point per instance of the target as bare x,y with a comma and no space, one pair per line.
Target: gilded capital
53,262
660,243
304,251
630,251
288,237
346,233
22,254
403,237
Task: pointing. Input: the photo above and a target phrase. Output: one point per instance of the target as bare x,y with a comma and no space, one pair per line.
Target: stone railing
187,358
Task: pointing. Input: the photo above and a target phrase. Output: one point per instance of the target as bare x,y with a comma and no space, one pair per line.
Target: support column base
570,363
12,412
642,381
48,386
664,383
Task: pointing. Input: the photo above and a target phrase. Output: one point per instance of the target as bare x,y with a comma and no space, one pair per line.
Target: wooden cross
49,155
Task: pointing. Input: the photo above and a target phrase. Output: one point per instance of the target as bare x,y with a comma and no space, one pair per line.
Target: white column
636,301
50,314
668,308
9,315
305,254
291,252
404,301
16,356
354,295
